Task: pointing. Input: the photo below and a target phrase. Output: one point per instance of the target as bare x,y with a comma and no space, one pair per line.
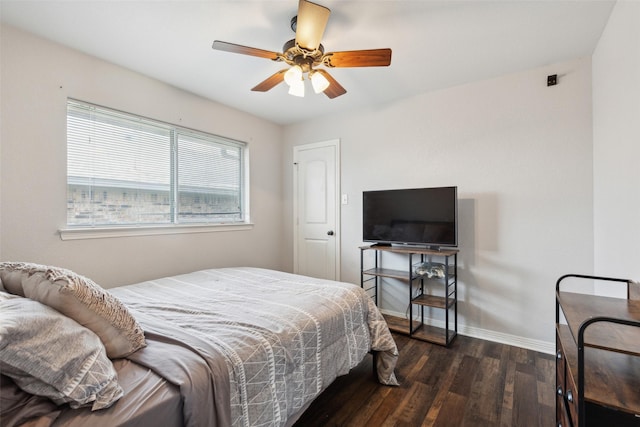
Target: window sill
81,233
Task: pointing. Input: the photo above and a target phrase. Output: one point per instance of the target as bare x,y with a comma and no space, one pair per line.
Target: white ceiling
436,44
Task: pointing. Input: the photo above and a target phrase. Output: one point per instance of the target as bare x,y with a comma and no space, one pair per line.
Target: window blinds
127,170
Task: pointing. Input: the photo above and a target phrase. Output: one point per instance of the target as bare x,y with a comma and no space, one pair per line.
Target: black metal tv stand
439,292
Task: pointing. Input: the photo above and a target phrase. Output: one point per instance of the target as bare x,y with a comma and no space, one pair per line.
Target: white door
316,188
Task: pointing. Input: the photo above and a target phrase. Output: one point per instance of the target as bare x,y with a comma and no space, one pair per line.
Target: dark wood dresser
597,354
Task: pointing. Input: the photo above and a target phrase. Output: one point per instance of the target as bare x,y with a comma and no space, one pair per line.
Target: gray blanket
264,341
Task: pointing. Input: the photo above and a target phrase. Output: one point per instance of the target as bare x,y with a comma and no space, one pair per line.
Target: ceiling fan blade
244,50
358,58
270,82
335,89
311,22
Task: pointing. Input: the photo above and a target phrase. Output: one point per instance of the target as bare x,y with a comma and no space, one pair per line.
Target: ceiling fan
304,53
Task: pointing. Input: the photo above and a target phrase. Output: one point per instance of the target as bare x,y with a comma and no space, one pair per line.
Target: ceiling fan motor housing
293,54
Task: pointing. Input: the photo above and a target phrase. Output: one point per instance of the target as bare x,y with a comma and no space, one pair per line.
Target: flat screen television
416,216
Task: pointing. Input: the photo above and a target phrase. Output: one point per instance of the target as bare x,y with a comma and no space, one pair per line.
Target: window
125,170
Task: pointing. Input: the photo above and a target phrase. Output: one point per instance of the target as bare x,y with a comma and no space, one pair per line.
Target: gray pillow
79,298
48,354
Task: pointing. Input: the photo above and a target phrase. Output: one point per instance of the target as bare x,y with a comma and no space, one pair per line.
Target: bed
219,347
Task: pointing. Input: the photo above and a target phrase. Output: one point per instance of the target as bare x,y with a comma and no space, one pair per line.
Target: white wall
532,167
616,140
37,78
521,155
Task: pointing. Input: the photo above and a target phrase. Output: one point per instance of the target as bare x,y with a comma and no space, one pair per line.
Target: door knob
330,233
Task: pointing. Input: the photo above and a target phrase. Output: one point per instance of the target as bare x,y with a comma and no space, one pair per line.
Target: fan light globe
293,75
319,82
296,88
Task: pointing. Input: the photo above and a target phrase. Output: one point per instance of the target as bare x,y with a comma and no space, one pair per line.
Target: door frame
338,236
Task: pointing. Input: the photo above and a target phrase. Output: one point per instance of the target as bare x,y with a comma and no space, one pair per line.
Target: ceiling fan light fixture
293,75
319,82
297,88
305,52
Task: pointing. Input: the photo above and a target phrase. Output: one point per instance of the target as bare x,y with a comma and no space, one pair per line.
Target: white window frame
74,232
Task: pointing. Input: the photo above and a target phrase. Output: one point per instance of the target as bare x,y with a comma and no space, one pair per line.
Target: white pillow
48,354
79,298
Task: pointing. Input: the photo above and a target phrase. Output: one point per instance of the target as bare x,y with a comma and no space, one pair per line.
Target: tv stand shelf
387,272
437,293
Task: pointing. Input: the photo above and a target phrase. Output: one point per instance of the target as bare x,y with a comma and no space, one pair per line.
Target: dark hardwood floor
472,383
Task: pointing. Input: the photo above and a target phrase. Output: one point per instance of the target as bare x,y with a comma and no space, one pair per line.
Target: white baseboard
485,334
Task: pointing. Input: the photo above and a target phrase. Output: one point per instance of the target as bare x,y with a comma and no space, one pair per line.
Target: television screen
418,216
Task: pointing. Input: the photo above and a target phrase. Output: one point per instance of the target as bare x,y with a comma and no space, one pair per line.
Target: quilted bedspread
280,338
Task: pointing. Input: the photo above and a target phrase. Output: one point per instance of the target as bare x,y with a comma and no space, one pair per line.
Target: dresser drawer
562,415
571,397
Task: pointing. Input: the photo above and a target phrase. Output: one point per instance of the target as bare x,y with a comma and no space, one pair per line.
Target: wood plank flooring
472,383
